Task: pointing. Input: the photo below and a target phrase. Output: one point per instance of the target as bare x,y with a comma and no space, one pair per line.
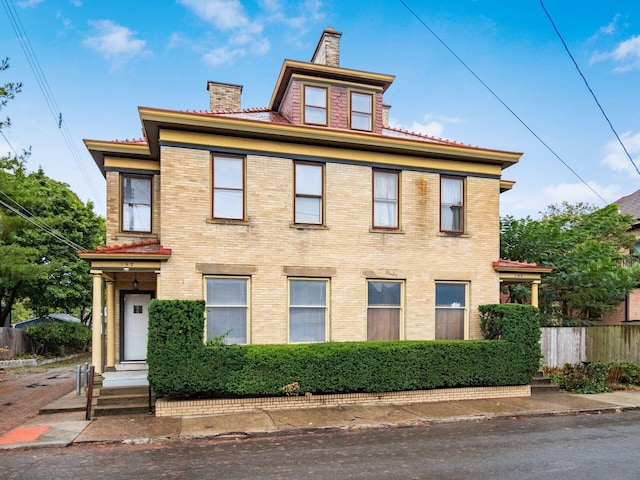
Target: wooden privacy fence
15,340
605,343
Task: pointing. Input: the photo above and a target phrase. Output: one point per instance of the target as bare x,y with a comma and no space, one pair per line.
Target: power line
43,84
588,86
495,95
34,220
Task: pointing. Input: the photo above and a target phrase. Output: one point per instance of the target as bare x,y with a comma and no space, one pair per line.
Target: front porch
127,277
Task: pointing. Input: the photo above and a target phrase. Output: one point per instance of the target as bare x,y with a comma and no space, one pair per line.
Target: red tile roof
149,247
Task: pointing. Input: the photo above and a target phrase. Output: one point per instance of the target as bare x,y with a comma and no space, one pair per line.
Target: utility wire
9,143
42,82
588,86
495,95
29,217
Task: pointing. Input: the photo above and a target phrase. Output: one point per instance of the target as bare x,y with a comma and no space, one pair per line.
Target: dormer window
315,105
361,111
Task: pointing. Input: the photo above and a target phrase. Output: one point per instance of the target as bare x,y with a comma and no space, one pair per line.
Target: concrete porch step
122,401
125,378
543,385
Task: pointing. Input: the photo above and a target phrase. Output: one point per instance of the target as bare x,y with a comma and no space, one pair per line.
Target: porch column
96,322
534,292
111,324
157,272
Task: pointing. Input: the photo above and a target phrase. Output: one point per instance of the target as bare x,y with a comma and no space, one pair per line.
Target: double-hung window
315,105
384,310
228,187
386,189
308,310
136,203
227,308
451,310
452,204
361,111
308,188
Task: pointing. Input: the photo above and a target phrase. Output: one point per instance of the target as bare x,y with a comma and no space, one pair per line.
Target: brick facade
418,253
184,408
266,246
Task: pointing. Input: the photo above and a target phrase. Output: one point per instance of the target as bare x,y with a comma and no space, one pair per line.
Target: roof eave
155,119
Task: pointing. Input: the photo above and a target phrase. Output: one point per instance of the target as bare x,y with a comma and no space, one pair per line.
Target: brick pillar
328,49
385,115
224,96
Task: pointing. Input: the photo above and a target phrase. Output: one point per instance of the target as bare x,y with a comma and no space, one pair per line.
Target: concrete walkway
63,422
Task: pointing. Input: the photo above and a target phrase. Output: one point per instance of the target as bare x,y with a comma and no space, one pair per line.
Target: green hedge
182,366
59,338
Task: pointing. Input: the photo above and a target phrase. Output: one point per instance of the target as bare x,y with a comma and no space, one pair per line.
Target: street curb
228,436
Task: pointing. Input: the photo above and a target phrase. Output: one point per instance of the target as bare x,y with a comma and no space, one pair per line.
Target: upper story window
452,204
228,187
386,187
136,203
308,188
315,105
361,111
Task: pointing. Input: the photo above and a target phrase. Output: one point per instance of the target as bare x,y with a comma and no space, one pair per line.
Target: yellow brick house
311,220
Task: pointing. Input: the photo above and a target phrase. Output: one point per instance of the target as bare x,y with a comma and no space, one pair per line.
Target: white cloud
29,3
611,28
615,157
222,14
76,3
301,15
114,41
626,55
432,125
578,192
238,33
231,18
222,55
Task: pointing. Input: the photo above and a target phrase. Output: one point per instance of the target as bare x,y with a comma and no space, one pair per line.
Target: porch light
136,284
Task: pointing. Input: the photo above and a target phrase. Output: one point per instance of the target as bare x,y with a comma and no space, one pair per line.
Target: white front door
136,326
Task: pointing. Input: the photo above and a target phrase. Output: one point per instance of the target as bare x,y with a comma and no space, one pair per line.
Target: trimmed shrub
181,365
59,338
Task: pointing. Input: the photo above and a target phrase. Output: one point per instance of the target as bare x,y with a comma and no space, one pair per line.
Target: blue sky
101,60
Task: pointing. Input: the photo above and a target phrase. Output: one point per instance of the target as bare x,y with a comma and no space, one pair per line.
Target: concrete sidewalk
65,422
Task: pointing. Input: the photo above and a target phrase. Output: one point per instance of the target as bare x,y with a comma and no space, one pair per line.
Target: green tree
42,225
588,249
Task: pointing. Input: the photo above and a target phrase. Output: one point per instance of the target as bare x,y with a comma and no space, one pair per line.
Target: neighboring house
52,317
629,309
310,220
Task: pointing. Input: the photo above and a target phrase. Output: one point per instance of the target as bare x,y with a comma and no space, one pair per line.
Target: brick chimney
385,115
224,96
328,49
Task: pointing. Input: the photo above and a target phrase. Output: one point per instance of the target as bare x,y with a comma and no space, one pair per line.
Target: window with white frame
308,311
386,189
315,105
451,310
309,190
452,204
384,309
361,111
227,301
136,203
228,187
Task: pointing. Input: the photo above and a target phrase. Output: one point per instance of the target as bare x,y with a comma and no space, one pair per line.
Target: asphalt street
567,447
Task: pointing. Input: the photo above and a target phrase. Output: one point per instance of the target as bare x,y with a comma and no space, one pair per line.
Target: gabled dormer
322,94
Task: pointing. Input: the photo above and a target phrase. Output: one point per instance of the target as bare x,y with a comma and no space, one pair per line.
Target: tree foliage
589,250
42,224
